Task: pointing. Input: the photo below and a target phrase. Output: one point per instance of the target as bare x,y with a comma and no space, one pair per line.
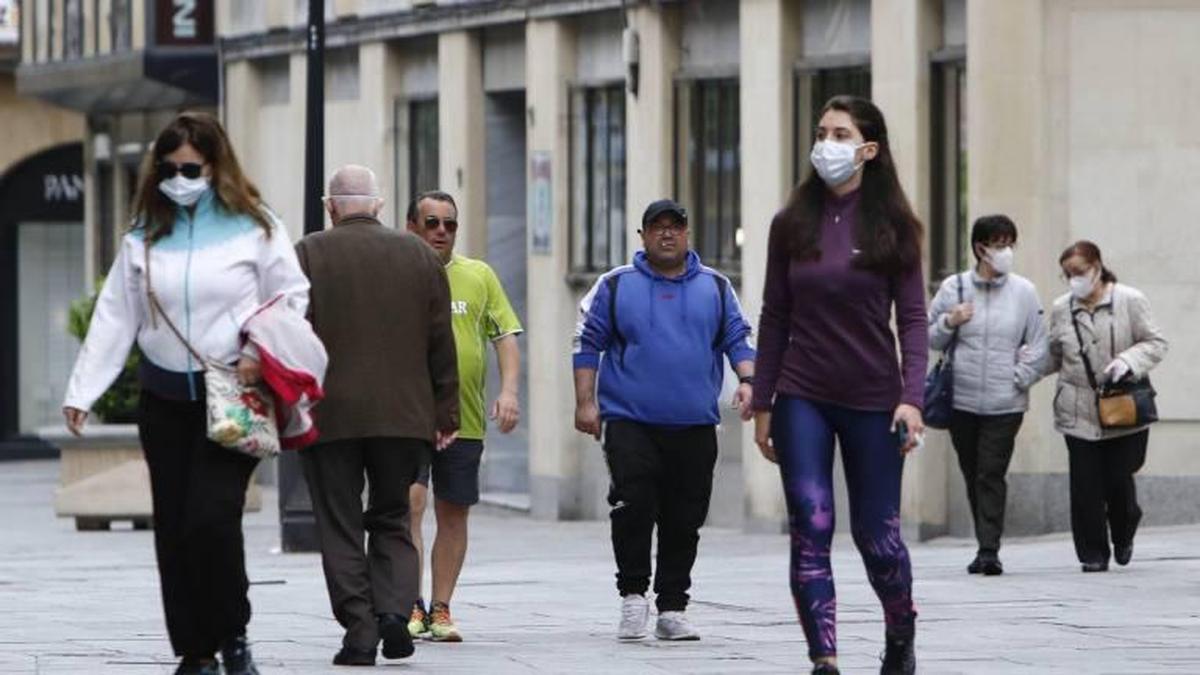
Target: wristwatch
746,379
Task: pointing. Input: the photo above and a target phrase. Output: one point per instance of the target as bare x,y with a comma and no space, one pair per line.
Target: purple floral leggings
803,433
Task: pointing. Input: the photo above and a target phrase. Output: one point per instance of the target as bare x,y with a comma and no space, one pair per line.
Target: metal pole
297,525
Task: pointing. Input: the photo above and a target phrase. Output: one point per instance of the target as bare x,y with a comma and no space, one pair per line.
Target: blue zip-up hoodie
662,360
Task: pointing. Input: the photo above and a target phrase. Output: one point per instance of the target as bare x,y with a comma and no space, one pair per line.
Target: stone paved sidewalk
537,598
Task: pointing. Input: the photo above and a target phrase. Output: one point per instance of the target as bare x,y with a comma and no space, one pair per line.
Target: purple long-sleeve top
825,331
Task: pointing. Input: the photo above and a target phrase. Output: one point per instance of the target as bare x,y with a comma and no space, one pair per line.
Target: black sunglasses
168,170
432,222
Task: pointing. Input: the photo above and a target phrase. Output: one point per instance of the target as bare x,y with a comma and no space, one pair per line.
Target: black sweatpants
1103,493
199,492
383,578
984,444
659,477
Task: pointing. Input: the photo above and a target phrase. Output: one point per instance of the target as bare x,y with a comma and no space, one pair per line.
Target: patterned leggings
803,433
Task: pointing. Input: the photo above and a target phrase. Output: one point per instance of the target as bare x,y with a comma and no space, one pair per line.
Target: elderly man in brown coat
381,304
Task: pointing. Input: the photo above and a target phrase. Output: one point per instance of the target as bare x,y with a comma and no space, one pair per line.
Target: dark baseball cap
662,207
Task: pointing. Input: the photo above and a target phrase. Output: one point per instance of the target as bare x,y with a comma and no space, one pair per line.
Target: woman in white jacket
216,255
1000,351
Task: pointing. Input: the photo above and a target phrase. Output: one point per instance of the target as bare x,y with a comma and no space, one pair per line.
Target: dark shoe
1095,566
190,666
825,669
899,658
1123,554
236,657
397,641
992,567
350,656
976,566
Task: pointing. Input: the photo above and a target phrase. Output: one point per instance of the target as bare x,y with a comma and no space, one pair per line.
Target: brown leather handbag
1127,404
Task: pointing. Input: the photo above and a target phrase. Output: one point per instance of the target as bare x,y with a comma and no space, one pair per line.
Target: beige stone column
649,115
770,45
554,446
461,140
1007,151
903,33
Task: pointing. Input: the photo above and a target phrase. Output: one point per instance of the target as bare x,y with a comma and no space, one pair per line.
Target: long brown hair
233,191
888,233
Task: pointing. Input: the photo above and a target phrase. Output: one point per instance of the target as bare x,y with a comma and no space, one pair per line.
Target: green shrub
119,404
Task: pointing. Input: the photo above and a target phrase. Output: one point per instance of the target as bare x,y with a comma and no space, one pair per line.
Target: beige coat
1120,327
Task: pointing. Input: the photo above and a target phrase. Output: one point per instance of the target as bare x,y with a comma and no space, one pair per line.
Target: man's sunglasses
432,222
167,170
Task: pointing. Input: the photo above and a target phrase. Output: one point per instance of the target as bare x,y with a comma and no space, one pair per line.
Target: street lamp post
297,524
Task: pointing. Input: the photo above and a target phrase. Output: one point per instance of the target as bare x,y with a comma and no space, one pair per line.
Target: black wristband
746,379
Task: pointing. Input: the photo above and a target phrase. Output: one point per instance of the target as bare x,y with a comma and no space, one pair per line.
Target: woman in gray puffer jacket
995,317
1121,341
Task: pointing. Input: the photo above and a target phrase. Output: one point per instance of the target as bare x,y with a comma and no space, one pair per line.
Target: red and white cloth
293,361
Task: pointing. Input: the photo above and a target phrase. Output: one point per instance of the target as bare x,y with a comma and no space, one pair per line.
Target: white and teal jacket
211,273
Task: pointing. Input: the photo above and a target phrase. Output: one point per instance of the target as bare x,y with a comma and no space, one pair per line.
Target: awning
153,79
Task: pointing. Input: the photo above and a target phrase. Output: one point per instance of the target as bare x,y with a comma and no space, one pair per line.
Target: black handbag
939,383
1127,404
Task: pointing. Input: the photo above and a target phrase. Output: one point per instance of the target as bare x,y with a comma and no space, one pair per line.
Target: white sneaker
675,626
635,614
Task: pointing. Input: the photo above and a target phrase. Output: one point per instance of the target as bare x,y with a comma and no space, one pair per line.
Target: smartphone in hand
901,433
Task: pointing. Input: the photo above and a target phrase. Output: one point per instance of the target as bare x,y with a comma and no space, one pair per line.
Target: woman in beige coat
1121,341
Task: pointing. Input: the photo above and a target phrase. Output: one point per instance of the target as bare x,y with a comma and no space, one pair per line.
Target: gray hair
354,190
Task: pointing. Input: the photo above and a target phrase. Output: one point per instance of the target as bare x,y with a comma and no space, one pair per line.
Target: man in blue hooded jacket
662,325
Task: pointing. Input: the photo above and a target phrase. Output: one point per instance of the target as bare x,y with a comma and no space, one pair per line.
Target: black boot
825,669
989,564
236,657
899,657
397,641
349,656
201,666
1123,554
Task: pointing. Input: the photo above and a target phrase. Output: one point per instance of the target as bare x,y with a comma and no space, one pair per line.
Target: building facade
41,250
555,122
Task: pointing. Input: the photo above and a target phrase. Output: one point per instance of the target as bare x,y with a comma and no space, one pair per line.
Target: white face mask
184,191
1001,259
834,161
1083,286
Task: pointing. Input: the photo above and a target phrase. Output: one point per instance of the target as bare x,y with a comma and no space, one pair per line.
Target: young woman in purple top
843,252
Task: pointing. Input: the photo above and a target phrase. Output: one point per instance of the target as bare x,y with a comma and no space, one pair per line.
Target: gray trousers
382,579
984,445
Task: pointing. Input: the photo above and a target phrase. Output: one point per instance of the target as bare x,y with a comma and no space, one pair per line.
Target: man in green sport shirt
480,312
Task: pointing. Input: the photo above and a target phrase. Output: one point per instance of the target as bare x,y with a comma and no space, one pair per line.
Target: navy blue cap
661,207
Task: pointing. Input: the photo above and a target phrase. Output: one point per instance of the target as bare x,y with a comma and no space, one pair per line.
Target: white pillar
554,446
770,45
650,114
461,139
903,33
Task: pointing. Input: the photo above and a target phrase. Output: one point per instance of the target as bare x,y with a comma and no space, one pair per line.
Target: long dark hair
1091,253
233,191
888,233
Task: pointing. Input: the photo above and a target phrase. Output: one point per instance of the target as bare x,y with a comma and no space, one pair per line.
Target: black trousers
659,477
382,579
984,445
199,493
1103,493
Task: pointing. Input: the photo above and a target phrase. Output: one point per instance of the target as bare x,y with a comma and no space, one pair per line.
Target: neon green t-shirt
480,313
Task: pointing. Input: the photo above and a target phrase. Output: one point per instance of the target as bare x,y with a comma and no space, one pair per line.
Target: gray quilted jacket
1001,351
1120,327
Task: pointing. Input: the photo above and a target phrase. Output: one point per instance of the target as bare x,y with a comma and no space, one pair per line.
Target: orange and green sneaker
418,621
441,626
